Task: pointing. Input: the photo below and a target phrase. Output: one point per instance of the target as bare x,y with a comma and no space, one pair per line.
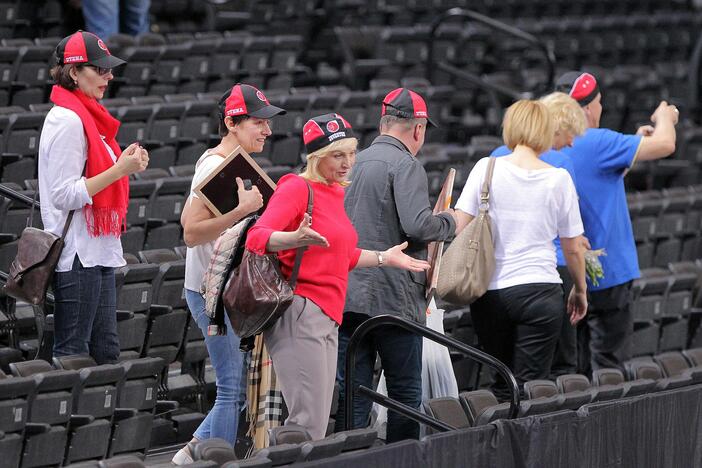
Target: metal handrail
499,26
392,321
16,196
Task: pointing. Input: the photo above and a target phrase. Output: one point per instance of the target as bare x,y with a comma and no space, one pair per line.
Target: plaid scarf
265,401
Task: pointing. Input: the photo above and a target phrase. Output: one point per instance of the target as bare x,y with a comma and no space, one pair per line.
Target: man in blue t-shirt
601,158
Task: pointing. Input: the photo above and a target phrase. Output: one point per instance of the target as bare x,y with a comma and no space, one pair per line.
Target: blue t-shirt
600,158
555,159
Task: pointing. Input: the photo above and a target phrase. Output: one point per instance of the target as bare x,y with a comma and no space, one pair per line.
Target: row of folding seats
289,444
153,320
570,392
401,12
666,308
392,51
77,410
29,19
667,225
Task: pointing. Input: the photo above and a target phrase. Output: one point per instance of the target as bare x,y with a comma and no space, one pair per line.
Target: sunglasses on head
99,70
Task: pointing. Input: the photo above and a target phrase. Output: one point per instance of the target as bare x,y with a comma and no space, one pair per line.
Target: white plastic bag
438,379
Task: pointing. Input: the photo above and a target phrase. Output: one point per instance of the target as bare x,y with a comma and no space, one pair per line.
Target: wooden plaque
435,250
219,190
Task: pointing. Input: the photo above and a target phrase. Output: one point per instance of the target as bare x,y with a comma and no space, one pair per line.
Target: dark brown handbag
257,293
38,253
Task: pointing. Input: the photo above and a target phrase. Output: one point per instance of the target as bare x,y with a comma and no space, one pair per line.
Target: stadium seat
53,405
215,449
447,410
537,389
97,397
136,405
16,393
574,383
481,407
280,454
319,449
357,439
642,369
288,434
615,377
674,364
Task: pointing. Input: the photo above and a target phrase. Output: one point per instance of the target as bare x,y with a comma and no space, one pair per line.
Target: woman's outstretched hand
395,257
305,235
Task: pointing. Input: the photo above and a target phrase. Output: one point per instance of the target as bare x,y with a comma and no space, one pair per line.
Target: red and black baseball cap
406,104
580,86
324,130
85,47
244,99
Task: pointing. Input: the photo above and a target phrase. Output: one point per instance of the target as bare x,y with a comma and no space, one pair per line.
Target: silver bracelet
380,258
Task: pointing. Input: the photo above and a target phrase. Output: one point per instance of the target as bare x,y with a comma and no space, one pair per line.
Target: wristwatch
380,258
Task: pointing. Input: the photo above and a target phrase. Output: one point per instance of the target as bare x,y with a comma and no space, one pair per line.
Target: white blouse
62,155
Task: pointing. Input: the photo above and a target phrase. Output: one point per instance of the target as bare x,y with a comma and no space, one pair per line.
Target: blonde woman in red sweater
303,342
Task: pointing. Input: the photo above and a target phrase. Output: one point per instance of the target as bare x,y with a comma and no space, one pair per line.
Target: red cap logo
333,126
102,45
260,96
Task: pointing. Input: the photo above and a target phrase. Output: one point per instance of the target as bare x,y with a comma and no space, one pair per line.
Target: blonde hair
311,172
566,113
528,123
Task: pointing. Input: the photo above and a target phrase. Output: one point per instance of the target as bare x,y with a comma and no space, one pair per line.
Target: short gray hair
389,121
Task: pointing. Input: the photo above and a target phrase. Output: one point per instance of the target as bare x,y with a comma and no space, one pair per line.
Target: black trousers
565,359
604,336
519,326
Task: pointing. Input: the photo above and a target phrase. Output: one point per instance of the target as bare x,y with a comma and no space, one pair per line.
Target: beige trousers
303,347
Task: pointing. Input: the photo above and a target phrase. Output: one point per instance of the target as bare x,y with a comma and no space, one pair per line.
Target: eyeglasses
99,70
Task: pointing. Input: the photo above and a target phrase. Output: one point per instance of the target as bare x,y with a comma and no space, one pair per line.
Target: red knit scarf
107,214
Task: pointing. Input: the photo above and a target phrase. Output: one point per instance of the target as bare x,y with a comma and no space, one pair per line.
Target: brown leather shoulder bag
38,253
257,293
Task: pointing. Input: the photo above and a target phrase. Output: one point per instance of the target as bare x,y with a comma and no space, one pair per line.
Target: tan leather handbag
469,262
257,293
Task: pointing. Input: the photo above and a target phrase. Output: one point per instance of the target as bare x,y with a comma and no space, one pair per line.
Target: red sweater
324,270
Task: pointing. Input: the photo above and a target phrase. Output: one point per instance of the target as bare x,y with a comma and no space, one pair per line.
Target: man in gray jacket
388,203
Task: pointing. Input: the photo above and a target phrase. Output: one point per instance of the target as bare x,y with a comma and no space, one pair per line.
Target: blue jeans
401,356
103,17
85,317
228,362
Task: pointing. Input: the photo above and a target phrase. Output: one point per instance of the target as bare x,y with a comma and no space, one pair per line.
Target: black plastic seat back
216,450
539,389
288,434
280,454
319,449
357,439
448,410
475,402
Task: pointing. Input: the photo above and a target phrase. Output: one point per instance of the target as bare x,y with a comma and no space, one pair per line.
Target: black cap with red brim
85,47
406,104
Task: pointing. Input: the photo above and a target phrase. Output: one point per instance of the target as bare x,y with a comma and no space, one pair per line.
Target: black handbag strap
301,250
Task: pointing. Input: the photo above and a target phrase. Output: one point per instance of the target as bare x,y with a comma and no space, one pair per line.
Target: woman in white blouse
531,203
83,170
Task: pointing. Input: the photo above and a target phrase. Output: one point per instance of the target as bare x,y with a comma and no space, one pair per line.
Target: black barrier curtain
658,430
